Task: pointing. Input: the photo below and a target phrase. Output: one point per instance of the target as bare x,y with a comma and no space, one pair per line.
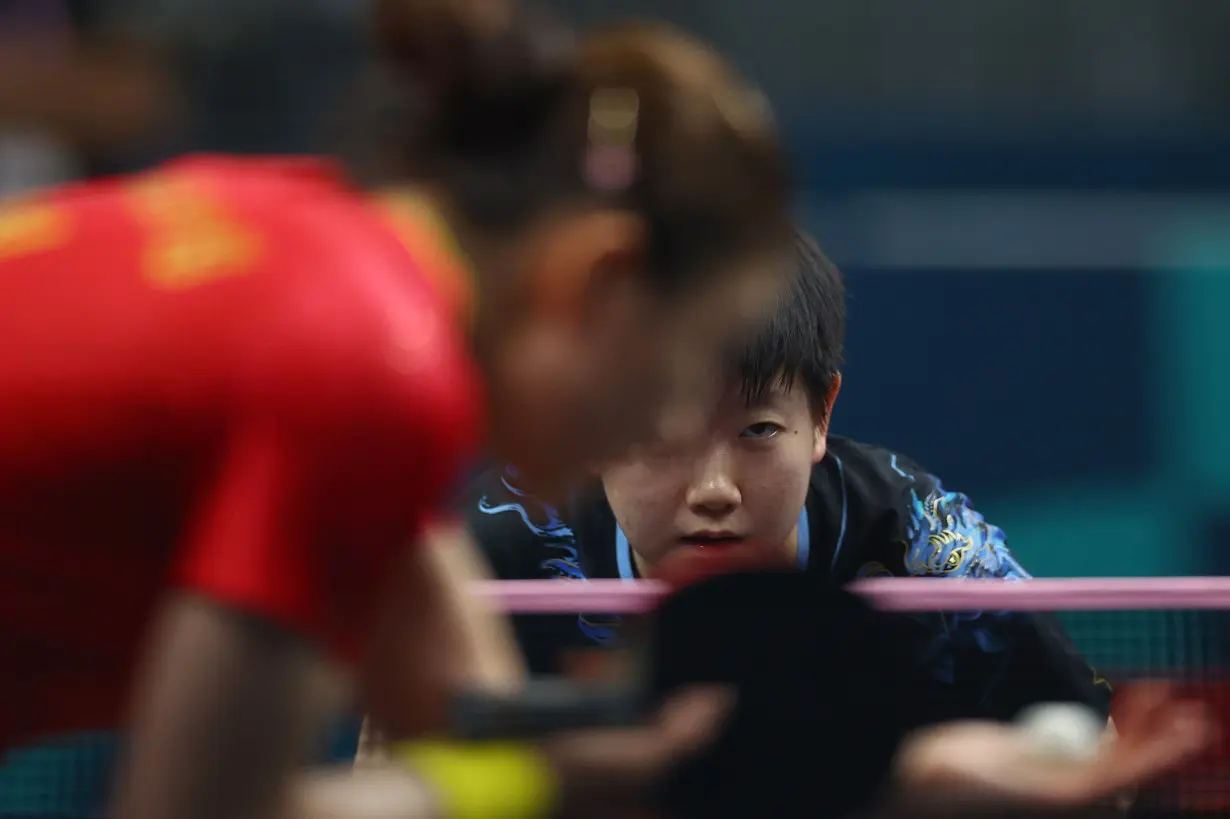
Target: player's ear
821,417
580,257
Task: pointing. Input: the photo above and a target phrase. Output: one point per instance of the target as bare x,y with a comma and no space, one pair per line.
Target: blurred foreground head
622,194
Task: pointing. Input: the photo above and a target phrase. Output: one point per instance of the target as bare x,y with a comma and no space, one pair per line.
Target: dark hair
801,343
519,116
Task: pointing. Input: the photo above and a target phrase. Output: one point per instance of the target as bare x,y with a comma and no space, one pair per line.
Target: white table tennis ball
1061,731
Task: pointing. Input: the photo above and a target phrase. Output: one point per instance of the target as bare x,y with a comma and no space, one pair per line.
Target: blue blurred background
1030,199
1031,202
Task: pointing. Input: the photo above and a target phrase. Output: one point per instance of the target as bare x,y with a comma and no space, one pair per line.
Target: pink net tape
893,594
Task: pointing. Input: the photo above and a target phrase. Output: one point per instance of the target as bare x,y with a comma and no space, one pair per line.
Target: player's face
742,482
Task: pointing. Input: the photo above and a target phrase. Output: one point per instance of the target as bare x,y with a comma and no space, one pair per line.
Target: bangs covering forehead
801,343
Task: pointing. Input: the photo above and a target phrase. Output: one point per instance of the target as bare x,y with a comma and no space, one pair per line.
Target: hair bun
481,65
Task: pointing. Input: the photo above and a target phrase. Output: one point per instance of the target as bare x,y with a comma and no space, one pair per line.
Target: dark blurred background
1030,199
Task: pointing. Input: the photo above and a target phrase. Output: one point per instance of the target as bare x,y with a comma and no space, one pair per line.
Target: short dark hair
801,344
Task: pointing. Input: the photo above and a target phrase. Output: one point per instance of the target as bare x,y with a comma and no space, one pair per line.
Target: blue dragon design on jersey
546,523
946,537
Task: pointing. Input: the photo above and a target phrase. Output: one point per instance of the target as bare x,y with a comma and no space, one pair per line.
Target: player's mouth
711,540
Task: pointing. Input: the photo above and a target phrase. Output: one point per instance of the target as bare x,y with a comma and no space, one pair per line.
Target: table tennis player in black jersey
828,693
836,706
768,474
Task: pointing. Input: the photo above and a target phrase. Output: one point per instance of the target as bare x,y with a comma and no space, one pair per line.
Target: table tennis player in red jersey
233,391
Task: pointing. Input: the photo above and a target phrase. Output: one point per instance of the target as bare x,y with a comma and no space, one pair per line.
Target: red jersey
233,377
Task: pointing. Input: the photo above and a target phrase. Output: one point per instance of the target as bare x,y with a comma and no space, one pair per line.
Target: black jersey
869,512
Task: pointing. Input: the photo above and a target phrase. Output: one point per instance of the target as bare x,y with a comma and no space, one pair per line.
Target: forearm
927,797
435,638
492,659
227,708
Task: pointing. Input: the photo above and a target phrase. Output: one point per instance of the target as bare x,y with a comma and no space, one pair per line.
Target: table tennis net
1136,635
1190,648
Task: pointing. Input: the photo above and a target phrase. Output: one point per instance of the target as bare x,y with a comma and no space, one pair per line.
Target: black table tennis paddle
824,694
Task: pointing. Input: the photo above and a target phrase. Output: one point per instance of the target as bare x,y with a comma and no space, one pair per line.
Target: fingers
955,756
1157,735
988,762
1161,738
686,723
624,762
1138,704
692,719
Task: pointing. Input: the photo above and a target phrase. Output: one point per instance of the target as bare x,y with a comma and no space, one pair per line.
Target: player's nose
713,489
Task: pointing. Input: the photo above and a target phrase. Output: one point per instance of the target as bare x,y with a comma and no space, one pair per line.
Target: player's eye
761,431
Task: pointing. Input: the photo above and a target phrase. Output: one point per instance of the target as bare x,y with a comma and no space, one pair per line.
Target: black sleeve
524,538
980,664
1038,663
511,528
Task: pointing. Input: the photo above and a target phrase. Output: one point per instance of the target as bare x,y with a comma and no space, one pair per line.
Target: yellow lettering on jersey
31,228
198,255
192,240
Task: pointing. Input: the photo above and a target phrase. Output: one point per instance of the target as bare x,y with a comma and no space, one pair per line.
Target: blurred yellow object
30,228
484,780
192,240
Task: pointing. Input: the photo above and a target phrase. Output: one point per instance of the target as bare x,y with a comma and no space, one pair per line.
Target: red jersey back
230,376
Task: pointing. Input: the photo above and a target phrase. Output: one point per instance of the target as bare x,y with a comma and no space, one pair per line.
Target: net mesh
69,778
1191,649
